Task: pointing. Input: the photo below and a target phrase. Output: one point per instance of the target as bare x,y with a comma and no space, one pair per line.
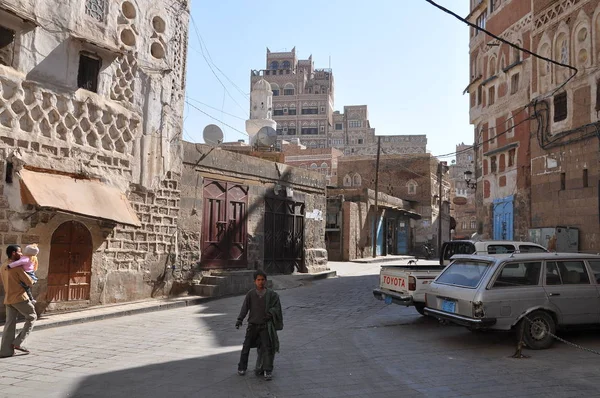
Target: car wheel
537,329
420,307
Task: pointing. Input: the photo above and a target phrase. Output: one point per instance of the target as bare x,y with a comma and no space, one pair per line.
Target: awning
88,198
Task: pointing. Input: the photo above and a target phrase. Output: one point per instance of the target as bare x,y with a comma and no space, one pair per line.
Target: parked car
533,294
453,247
406,284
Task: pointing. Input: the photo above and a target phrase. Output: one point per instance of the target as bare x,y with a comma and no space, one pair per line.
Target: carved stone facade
94,90
463,207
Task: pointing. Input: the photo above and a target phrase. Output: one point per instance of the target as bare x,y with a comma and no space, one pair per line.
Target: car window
464,273
453,248
595,266
500,249
519,274
531,249
571,273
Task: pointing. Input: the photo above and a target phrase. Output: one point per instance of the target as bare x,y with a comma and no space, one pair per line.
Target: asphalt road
338,341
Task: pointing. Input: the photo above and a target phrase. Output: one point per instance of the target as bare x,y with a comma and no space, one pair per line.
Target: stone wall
260,176
125,133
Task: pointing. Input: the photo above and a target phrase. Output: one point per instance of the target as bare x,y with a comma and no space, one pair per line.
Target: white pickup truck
406,284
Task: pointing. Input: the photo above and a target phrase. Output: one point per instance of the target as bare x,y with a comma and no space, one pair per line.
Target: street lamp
472,185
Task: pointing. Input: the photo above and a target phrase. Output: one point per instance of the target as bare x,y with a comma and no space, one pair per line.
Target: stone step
213,280
205,290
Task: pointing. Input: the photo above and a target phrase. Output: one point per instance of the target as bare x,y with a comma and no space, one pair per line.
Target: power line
210,66
447,11
214,118
214,108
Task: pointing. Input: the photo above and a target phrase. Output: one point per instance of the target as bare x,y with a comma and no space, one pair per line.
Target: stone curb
152,308
381,259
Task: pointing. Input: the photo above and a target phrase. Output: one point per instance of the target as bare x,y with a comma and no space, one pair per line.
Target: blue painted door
503,218
402,237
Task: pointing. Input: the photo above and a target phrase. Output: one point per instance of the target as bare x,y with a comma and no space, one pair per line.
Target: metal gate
70,268
224,225
503,218
284,236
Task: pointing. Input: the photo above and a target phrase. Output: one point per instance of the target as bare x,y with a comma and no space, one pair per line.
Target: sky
405,59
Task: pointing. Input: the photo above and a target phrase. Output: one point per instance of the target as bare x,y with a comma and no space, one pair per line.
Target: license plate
388,299
449,306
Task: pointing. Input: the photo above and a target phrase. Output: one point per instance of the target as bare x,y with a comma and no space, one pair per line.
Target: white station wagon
532,293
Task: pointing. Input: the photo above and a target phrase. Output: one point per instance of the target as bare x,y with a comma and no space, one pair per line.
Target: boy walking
264,321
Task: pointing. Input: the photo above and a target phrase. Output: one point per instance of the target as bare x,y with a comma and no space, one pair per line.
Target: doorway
70,268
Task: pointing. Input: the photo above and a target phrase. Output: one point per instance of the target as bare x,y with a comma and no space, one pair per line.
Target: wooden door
70,268
224,232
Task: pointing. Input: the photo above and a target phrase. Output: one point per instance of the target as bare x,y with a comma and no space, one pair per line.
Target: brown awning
77,196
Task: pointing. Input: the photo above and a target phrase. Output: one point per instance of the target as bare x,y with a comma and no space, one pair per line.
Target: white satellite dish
266,136
213,135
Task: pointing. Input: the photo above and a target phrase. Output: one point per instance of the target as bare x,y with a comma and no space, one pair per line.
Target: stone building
564,135
322,160
239,212
463,208
499,96
91,103
351,224
352,133
302,97
413,178
539,168
303,103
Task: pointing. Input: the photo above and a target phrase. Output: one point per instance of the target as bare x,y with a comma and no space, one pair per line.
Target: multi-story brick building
303,103
413,178
564,134
352,133
539,168
323,160
499,96
463,207
91,111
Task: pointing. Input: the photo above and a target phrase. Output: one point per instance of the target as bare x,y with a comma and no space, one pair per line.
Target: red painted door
224,225
70,268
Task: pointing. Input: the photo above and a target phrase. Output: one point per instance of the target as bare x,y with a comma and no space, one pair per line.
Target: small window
598,95
519,274
285,65
563,181
347,181
357,181
595,266
288,89
514,83
567,273
7,46
494,166
361,141
585,178
560,107
412,188
492,95
500,249
322,109
278,112
339,126
292,111
291,131
89,69
511,157
473,224
322,129
355,123
479,94
531,249
274,65
492,134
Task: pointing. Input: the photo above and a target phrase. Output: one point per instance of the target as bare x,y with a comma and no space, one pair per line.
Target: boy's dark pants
257,336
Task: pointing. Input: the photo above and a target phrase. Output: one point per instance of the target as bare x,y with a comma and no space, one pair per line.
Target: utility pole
440,178
376,216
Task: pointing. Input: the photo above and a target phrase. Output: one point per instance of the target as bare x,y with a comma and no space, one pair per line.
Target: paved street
338,341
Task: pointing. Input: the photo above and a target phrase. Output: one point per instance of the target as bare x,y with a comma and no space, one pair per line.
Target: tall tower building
261,109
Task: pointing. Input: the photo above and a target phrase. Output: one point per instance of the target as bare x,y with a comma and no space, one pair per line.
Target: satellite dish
212,134
266,136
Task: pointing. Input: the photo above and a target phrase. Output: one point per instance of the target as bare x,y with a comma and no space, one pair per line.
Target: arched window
492,67
510,131
356,180
314,166
285,65
288,89
347,181
303,166
412,187
324,168
473,224
274,65
275,89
